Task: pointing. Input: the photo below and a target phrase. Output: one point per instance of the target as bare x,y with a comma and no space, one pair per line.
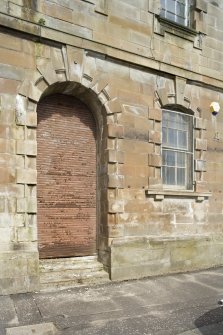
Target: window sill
162,25
160,195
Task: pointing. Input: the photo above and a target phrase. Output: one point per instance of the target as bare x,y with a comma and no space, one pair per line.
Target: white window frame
186,151
166,11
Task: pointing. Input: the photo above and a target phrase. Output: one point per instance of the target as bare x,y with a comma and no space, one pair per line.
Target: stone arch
69,77
178,107
163,97
48,78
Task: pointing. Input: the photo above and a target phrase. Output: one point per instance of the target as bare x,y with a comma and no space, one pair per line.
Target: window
177,150
176,11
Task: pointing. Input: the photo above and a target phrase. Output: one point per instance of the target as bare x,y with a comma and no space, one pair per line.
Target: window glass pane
169,120
164,161
171,6
181,10
172,138
164,135
164,174
170,176
181,159
183,121
162,13
181,177
189,171
172,120
180,20
165,118
163,3
190,135
170,16
170,158
182,139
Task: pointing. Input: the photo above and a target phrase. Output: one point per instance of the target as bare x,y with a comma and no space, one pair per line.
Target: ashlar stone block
75,63
115,230
115,156
163,96
155,114
31,119
200,144
26,147
201,5
25,234
113,106
116,206
26,176
155,136
45,67
7,146
200,165
115,181
180,84
21,107
7,175
201,186
155,160
115,130
31,205
200,123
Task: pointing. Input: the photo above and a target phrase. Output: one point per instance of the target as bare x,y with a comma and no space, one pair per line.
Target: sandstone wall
125,64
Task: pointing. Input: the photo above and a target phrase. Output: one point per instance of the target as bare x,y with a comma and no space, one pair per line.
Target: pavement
180,304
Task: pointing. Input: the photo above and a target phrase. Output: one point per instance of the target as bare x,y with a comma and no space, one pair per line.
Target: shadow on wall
211,323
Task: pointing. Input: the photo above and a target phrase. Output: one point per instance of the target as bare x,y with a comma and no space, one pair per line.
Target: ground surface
183,304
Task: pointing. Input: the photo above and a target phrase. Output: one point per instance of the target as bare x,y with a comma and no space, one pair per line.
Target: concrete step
70,272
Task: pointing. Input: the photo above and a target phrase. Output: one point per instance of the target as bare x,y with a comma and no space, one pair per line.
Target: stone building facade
107,143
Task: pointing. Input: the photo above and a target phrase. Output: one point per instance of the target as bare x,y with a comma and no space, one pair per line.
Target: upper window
177,150
176,11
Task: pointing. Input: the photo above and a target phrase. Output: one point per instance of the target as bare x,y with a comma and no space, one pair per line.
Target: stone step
70,275
70,272
63,264
63,283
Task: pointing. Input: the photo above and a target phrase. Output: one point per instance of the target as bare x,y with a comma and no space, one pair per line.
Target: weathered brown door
66,166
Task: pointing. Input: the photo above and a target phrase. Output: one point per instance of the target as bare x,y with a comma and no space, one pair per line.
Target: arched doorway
66,166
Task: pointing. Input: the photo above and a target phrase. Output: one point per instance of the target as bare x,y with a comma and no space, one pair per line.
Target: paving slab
216,329
26,309
8,315
170,305
38,329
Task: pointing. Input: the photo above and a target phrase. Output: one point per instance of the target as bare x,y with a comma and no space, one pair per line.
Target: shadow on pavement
212,317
